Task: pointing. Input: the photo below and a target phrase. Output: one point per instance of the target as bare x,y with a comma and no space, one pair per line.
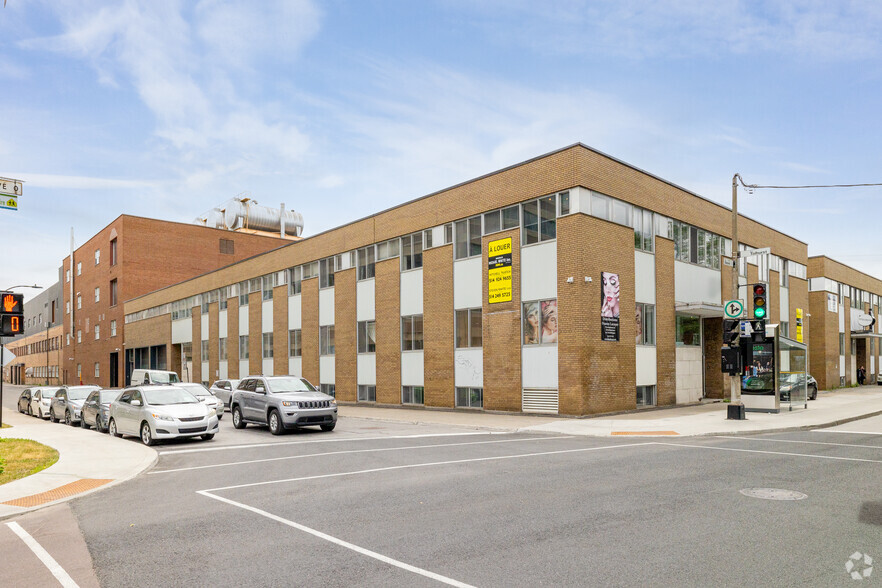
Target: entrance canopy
700,309
865,335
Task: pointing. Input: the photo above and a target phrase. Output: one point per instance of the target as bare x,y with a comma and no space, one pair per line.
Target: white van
153,377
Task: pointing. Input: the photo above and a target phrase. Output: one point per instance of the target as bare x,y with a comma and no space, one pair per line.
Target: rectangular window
468,237
645,324
267,283
492,222
243,293
411,395
114,259
267,345
97,294
67,276
367,393
97,256
366,263
97,370
329,389
326,340
427,239
79,336
600,205
469,328
841,343
784,329
531,222
688,330
294,345
540,322
67,307
412,332
548,220
222,349
448,233
511,218
564,200
412,251
79,268
470,398
243,346
203,350
367,337
326,273
294,282
97,332
113,328
227,246
114,293
645,395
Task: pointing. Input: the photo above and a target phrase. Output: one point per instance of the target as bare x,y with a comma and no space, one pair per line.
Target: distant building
37,350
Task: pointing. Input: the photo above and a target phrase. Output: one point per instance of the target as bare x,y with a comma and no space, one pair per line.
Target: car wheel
67,419
40,412
98,426
30,410
275,423
83,422
146,436
814,393
52,418
208,436
328,427
111,428
237,418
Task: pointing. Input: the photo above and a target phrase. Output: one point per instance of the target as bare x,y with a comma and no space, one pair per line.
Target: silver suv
282,402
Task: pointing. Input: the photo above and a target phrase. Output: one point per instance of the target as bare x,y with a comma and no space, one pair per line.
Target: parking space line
435,463
795,441
335,440
43,555
341,543
771,452
877,433
350,451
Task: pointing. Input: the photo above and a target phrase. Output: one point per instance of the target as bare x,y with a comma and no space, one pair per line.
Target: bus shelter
774,378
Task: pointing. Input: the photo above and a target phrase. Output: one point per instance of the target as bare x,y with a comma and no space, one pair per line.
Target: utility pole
735,381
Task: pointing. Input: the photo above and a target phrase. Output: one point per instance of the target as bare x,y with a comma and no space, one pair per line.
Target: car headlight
290,403
333,401
163,417
212,412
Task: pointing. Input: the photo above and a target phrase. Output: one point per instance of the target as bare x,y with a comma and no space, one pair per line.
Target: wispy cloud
79,182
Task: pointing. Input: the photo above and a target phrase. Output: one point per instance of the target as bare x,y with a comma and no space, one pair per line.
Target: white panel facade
644,277
784,309
412,368
267,367
326,309
412,292
696,284
842,310
326,369
690,374
365,296
539,366
294,316
222,324
295,366
244,370
841,365
539,271
647,372
266,316
469,368
222,370
582,199
203,327
182,331
467,283
243,320
206,377
366,367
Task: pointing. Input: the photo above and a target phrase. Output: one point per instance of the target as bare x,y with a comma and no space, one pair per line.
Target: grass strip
22,457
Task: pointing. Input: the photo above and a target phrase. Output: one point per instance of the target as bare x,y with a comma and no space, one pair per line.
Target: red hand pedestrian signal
9,303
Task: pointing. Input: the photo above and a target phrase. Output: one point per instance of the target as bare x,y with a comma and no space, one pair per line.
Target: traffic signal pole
735,381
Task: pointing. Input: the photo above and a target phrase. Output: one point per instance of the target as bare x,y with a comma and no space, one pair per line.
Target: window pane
461,249
647,231
600,206
548,208
418,332
475,235
462,397
462,328
638,231
362,338
621,212
371,333
564,203
688,330
418,250
475,327
531,222
510,218
649,324
406,334
492,222
406,254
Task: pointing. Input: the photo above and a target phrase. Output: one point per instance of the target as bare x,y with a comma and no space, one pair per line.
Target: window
412,251
367,393
328,389
469,326
243,346
564,200
411,395
367,337
388,249
67,307
79,336
79,268
540,220
600,206
203,350
492,222
688,330
243,293
67,276
80,372
267,346
294,282
326,273
643,232
79,301
540,322
97,370
427,238
448,233
113,328
227,246
114,293
645,395
366,261
784,329
222,349
97,294
97,332
68,339
841,343
470,398
97,256
412,332
113,252
645,324
295,348
326,340
468,237
699,246
222,299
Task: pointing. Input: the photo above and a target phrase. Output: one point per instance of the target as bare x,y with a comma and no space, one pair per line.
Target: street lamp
3,351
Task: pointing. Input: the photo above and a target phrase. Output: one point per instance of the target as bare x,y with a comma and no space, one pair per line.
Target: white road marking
435,463
847,432
328,453
44,556
795,441
341,543
334,440
771,452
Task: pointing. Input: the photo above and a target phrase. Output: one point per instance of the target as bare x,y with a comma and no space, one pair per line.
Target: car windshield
161,378
109,396
196,389
162,396
278,385
79,393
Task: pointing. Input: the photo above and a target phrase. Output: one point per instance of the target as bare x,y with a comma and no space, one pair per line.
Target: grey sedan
161,412
223,389
68,403
96,409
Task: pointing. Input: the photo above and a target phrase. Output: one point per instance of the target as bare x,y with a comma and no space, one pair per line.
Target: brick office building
130,257
396,308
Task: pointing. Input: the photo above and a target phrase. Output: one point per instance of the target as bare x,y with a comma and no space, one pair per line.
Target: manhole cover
773,494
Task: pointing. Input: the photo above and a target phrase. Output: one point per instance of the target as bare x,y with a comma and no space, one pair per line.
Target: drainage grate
773,494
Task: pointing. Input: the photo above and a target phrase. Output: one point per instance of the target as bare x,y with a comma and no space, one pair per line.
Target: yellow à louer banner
499,270
799,325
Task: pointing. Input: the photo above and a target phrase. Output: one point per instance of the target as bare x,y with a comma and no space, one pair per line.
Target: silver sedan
161,412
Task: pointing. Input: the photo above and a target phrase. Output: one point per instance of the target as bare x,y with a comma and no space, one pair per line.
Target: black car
24,402
96,409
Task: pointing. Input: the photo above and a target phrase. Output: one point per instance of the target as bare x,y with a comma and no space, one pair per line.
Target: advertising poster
609,307
499,271
540,322
799,325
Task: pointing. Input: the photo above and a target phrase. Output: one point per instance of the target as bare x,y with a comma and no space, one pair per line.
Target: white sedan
161,412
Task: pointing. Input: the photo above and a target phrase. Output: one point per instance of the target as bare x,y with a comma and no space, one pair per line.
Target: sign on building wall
799,325
499,270
609,307
832,302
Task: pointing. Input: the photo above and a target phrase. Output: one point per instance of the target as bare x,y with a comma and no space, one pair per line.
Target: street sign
9,202
752,252
10,187
7,357
733,309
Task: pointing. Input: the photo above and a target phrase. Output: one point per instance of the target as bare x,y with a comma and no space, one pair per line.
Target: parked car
161,412
223,389
205,396
41,400
68,402
140,376
24,401
282,402
96,409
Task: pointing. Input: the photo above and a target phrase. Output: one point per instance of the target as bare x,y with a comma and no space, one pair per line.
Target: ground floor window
411,395
784,328
470,398
645,324
329,389
688,330
645,395
367,393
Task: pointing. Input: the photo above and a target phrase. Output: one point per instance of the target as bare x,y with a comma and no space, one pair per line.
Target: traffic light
731,332
760,299
11,325
11,314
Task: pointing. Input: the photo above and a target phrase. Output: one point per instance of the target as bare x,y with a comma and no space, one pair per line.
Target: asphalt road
388,504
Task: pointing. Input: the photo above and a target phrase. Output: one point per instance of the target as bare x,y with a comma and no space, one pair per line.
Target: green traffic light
759,312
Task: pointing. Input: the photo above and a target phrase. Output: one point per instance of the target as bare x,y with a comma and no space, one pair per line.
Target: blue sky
344,108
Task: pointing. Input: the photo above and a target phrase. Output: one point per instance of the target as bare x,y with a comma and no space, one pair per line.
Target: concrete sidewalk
87,461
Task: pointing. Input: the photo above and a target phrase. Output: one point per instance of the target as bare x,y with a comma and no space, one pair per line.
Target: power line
755,186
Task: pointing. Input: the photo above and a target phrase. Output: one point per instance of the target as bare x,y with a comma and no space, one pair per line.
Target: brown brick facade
438,326
345,334
388,303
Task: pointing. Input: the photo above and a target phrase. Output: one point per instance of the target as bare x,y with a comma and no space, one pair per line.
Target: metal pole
2,357
47,353
735,382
